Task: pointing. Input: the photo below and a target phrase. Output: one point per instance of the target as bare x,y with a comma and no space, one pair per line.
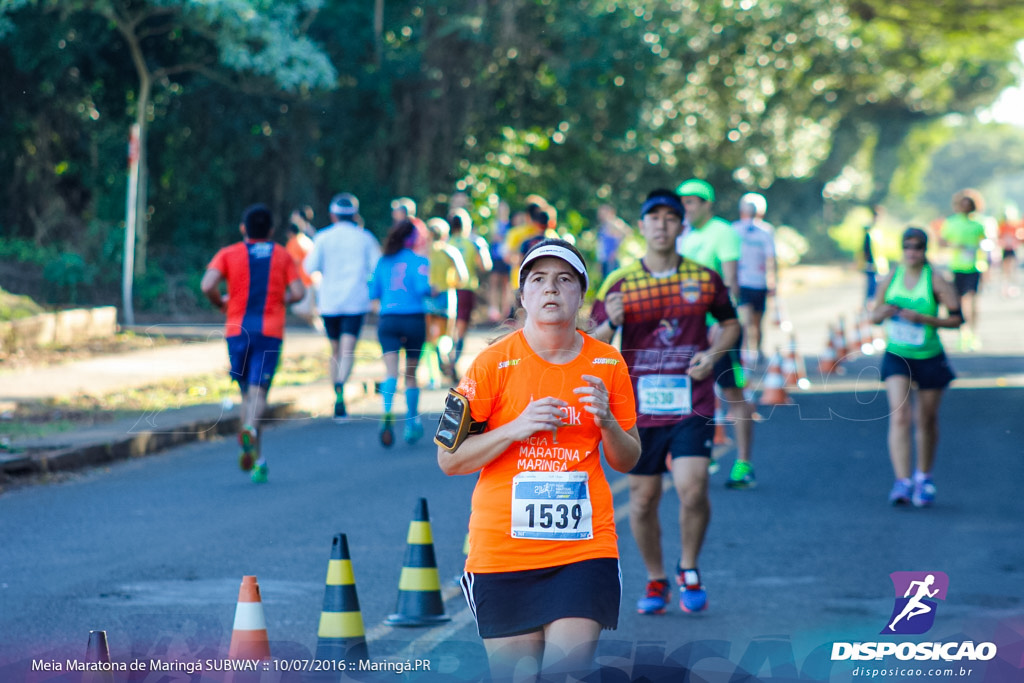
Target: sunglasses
916,246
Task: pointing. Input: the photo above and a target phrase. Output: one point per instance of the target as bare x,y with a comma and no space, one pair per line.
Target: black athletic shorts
926,373
728,371
966,282
694,436
337,325
755,298
512,603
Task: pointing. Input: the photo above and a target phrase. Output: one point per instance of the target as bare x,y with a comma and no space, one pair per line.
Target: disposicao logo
916,593
913,613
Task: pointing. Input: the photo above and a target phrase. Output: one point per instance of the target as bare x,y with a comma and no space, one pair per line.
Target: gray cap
344,204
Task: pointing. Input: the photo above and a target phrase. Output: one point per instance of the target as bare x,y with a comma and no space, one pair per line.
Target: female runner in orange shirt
542,573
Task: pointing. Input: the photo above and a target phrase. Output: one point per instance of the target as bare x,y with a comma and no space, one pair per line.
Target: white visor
560,252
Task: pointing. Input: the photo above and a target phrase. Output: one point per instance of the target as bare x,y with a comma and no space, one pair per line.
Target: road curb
133,445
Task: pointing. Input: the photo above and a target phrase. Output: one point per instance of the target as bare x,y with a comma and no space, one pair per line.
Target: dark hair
919,234
972,196
662,192
398,237
538,215
258,221
561,243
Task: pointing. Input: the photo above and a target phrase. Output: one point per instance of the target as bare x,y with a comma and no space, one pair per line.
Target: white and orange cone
774,393
845,345
249,636
829,358
793,369
866,345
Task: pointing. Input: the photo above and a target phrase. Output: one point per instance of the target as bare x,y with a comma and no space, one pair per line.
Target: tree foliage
816,103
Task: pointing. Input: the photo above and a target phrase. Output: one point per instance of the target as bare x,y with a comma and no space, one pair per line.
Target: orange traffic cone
419,588
801,366
790,371
97,652
867,346
721,436
828,360
249,636
341,636
774,393
843,347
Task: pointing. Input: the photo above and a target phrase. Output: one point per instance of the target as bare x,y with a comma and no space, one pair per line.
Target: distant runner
262,280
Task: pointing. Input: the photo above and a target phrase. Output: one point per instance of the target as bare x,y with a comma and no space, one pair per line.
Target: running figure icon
915,606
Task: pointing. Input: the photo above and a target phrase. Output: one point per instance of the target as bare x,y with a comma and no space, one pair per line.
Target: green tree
246,44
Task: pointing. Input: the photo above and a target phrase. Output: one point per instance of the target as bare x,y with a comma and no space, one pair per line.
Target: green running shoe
247,440
259,474
741,476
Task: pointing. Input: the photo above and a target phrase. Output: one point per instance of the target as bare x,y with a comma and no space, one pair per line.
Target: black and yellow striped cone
419,588
341,636
97,652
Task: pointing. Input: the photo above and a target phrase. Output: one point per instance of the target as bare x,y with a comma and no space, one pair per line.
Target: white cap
560,252
755,200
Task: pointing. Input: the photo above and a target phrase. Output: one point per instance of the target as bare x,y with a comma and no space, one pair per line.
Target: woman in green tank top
908,303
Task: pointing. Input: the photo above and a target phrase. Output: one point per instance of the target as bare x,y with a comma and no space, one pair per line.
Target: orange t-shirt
298,246
563,494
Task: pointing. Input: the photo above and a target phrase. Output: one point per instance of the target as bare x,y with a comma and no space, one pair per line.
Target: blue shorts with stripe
253,359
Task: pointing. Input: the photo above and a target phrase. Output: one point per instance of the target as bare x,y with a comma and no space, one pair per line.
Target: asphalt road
152,551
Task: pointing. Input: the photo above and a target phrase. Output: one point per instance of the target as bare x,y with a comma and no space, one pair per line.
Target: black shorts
966,282
756,298
466,299
728,371
403,330
512,603
337,325
693,437
926,373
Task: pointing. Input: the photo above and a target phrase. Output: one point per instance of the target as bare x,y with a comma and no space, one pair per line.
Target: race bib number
903,332
552,506
665,395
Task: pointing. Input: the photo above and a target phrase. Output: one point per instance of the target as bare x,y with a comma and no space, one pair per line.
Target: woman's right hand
544,414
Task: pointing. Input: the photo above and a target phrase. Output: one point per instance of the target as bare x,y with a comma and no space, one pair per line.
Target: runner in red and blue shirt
661,303
262,279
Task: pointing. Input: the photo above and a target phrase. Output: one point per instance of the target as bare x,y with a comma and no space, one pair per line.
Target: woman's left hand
594,396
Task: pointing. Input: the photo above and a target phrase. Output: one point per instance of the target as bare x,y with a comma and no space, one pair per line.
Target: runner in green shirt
964,235
713,243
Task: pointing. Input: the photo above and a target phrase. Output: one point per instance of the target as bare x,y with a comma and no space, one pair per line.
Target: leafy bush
66,275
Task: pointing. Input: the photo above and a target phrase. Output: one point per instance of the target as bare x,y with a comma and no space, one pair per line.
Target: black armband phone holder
456,422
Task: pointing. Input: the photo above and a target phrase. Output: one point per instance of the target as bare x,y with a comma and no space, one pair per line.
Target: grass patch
16,306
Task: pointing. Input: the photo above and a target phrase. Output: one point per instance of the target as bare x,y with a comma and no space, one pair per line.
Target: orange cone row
341,634
839,347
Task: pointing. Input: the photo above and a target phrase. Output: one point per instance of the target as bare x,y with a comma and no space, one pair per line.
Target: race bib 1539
552,506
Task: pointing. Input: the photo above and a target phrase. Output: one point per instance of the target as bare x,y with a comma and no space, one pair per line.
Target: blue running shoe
692,597
901,492
924,493
656,599
413,430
